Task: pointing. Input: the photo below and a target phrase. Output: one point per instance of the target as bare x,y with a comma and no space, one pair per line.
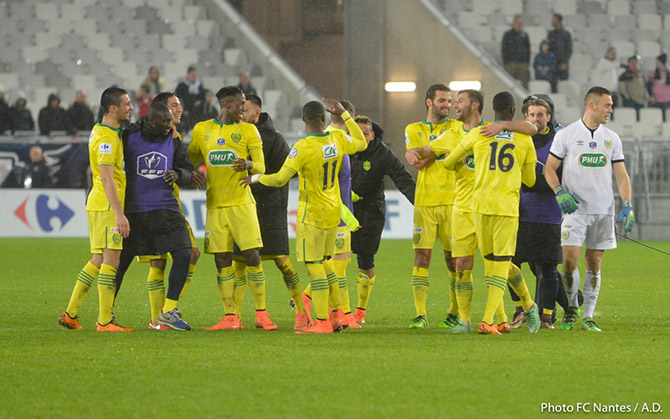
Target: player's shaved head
228,93
313,112
504,106
594,94
157,110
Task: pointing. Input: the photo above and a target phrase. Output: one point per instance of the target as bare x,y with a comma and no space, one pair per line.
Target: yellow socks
496,288
340,267
189,276
106,292
156,285
169,305
240,269
420,289
292,281
464,290
85,279
319,289
453,301
518,284
226,281
333,286
501,316
256,277
364,289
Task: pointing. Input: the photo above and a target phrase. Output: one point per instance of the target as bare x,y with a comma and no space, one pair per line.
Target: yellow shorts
149,258
342,240
312,243
496,234
464,238
103,232
237,224
431,223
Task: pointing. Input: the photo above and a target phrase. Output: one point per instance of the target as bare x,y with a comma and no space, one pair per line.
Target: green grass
382,370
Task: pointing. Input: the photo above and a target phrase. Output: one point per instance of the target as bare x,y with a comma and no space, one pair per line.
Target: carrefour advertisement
62,213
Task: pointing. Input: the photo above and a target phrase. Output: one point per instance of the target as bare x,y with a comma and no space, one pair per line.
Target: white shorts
596,230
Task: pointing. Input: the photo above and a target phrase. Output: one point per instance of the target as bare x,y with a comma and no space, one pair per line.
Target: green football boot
533,319
419,322
461,327
569,319
449,322
589,325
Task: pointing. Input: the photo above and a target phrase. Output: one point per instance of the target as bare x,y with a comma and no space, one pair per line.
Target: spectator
79,116
560,43
154,81
205,110
632,86
191,93
36,172
4,112
516,52
245,84
659,84
143,100
545,64
20,118
607,72
52,117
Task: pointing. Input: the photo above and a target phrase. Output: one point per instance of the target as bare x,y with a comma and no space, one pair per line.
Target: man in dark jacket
368,169
36,172
272,208
52,117
79,116
154,161
516,52
560,43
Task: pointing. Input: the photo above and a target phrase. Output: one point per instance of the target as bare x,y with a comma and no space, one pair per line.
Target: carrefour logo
45,213
593,160
221,157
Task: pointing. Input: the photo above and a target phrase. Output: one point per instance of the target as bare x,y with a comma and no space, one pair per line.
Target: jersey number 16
504,160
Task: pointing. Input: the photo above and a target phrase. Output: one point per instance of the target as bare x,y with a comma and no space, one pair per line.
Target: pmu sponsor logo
221,157
44,213
469,162
593,160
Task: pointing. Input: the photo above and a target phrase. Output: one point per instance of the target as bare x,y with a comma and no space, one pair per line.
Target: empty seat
641,7
574,21
623,48
624,116
207,28
21,11
665,130
512,7
570,88
535,34
234,56
565,7
618,8
539,86
85,27
193,13
198,42
9,80
72,11
83,82
34,54
600,21
73,41
645,130
46,11
59,27
650,22
651,116
648,49
98,41
45,40
642,34
625,23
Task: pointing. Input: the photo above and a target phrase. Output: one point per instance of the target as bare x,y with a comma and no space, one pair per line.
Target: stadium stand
65,45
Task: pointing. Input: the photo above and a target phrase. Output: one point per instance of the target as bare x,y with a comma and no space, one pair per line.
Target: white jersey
587,165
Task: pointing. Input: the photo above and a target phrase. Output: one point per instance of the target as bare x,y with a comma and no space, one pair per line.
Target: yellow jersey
218,144
105,147
501,162
434,184
317,159
464,169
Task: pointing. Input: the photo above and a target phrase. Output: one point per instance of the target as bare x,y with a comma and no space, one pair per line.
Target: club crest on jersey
367,165
236,137
469,162
339,243
593,160
151,165
593,144
221,141
105,148
221,157
566,235
329,151
293,154
608,144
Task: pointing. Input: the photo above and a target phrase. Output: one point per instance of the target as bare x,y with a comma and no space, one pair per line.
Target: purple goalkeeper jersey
540,206
344,178
146,162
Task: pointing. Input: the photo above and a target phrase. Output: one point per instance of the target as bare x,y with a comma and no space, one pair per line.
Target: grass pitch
382,370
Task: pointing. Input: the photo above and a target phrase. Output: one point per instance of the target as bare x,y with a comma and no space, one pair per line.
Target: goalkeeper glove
567,201
627,215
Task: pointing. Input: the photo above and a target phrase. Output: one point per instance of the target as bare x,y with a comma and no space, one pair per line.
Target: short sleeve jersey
317,159
434,184
464,169
105,147
499,162
587,165
219,144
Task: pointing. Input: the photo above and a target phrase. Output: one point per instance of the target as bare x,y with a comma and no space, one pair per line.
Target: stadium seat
186,56
565,7
72,11
651,116
207,28
590,7
172,42
624,116
46,11
535,34
33,54
599,21
648,49
624,49
511,7
73,41
234,56
133,4
573,22
618,8
641,7
625,23
9,80
650,22
665,130
645,130
21,11
568,115
59,27
83,82
198,42
193,13
643,34
539,86
569,88
168,13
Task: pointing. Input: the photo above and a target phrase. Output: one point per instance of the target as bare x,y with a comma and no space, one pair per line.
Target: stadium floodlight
400,86
465,85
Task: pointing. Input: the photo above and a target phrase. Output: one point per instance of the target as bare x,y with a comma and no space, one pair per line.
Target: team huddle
480,186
